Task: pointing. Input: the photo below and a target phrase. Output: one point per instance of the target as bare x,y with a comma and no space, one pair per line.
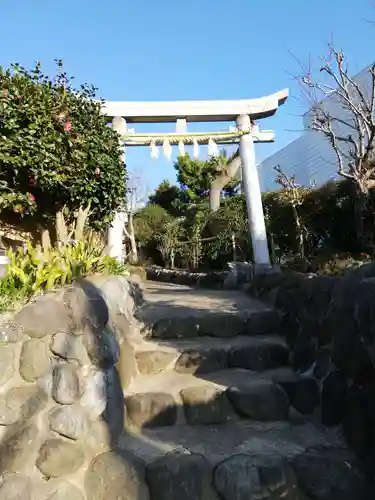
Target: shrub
58,157
32,271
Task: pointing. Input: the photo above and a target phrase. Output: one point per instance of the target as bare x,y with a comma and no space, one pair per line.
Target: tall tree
343,110
207,179
170,197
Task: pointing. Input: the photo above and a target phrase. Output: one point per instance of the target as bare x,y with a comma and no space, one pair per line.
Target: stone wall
329,323
61,400
183,277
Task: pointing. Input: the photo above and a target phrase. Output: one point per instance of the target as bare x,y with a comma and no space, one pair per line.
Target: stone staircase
214,380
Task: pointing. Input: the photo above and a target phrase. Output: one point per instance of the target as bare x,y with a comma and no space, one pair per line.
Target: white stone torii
243,112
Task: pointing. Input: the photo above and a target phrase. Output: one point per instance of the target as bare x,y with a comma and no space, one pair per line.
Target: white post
116,229
253,194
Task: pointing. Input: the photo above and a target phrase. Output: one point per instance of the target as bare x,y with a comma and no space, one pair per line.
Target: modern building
310,157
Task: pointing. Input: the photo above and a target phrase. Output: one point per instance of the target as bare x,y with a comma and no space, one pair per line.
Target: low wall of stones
329,323
182,277
63,360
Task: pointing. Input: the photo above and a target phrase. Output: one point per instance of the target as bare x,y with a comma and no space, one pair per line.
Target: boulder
181,477
66,491
68,421
245,477
34,360
69,347
118,475
26,401
15,487
201,361
260,401
45,316
328,473
18,446
7,360
153,361
206,405
65,384
59,458
155,409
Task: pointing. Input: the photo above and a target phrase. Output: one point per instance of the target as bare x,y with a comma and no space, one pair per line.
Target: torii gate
243,112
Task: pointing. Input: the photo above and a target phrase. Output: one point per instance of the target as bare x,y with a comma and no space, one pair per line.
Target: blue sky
196,49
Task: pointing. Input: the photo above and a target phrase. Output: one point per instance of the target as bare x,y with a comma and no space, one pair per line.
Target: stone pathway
214,380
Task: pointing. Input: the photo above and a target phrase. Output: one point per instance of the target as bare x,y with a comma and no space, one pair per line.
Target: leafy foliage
195,177
56,149
32,271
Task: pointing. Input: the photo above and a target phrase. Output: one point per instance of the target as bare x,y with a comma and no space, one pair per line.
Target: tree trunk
300,238
221,181
61,229
81,222
360,208
133,243
172,258
45,238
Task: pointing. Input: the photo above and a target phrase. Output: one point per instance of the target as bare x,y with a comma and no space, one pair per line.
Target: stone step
220,441
170,398
206,354
216,324
242,460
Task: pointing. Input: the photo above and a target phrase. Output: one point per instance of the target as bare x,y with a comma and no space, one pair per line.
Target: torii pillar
255,214
244,112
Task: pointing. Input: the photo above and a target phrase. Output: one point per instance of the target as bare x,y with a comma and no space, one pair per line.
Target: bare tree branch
343,110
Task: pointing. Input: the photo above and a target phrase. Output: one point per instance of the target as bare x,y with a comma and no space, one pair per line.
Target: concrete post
116,229
253,197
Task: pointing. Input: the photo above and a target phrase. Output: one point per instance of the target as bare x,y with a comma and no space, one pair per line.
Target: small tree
294,195
59,161
169,241
137,194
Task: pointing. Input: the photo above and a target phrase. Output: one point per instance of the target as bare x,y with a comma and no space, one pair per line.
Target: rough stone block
303,393
201,361
26,401
7,359
263,323
334,394
155,409
66,491
118,475
260,401
15,487
69,347
34,360
65,384
181,477
68,421
266,477
327,473
18,446
87,308
206,405
59,458
176,328
153,361
223,325
45,316
259,357
94,392
126,365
